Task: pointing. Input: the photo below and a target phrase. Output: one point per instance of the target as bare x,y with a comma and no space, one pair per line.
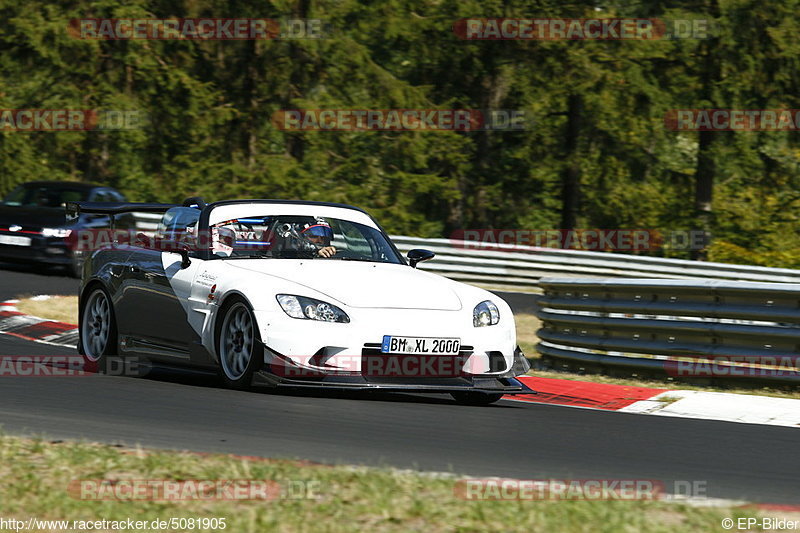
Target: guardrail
523,266
688,328
147,221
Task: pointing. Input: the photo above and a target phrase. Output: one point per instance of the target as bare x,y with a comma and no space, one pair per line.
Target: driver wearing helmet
319,234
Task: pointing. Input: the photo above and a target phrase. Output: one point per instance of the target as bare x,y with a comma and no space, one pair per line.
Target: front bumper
46,250
281,374
344,348
484,385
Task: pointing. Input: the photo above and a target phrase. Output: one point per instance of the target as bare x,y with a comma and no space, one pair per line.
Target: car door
192,287
137,322
156,314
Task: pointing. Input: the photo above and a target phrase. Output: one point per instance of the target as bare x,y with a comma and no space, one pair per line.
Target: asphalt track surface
522,440
18,280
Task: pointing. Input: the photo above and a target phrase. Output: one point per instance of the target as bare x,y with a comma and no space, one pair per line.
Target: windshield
300,237
44,196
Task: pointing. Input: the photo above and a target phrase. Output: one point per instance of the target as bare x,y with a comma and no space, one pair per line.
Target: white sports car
287,293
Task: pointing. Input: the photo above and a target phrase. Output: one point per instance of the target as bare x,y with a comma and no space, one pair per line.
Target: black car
33,225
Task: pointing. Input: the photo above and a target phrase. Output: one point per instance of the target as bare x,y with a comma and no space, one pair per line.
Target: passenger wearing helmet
223,239
319,234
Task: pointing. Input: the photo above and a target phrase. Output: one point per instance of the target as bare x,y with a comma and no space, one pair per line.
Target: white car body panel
412,303
359,284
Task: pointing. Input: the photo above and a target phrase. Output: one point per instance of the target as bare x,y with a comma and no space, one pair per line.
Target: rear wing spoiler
75,209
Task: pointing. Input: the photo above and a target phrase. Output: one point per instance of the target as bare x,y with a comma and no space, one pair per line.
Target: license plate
13,240
423,345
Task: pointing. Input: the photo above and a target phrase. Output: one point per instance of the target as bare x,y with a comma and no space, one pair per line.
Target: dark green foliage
597,109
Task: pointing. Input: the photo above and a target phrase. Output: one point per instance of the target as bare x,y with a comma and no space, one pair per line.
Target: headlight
309,308
56,232
485,314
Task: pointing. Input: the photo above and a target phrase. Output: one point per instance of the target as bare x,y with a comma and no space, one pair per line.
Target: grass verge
59,308
36,474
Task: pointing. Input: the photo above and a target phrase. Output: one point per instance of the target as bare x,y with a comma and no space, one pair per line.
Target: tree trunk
298,82
571,179
705,170
250,100
704,191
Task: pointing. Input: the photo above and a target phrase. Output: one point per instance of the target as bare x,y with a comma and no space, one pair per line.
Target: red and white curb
743,408
33,328
9,305
584,393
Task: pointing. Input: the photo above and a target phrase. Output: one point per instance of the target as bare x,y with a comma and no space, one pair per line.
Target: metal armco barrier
523,266
661,324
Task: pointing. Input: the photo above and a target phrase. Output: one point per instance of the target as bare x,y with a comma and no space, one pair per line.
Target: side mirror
177,248
185,261
418,255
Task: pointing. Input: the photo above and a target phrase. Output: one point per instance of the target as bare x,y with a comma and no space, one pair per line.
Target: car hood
361,284
32,218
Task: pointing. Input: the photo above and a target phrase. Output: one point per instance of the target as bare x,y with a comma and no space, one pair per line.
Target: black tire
475,398
97,332
238,344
